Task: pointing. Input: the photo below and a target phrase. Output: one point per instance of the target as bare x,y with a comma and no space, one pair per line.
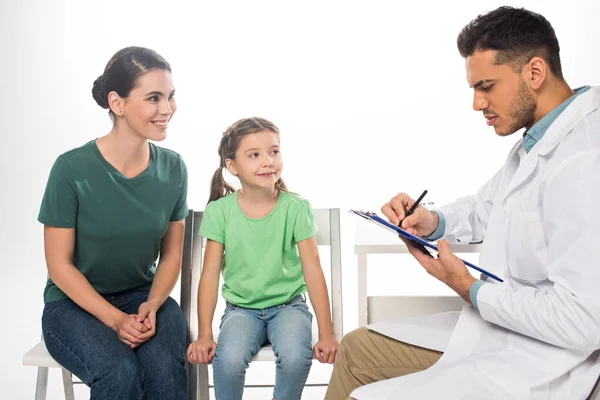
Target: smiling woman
110,207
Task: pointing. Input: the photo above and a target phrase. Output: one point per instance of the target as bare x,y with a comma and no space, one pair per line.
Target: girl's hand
326,349
202,351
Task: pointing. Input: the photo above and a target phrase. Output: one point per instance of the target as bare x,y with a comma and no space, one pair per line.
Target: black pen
413,208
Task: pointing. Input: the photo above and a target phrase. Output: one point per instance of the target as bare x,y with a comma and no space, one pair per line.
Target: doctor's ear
536,71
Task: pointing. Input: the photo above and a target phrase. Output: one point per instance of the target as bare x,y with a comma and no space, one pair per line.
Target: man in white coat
537,334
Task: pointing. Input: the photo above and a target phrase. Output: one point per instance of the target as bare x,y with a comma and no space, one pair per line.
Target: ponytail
280,184
218,187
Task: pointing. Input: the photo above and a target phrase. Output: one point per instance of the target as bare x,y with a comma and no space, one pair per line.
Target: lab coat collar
583,105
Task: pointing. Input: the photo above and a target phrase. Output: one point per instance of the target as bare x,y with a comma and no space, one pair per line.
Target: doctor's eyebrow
482,82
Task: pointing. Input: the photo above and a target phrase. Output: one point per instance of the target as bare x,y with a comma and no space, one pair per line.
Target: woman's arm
326,348
166,276
167,272
58,245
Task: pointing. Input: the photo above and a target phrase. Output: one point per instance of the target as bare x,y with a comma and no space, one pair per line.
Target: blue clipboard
423,245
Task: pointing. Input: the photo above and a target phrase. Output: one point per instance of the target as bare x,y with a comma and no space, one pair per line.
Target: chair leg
192,381
203,387
41,385
68,384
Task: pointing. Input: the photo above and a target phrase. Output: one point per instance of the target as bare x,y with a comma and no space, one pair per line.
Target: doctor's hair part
516,34
230,142
122,72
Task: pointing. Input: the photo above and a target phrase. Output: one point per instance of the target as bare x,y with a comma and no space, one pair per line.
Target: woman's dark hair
516,34
122,72
230,142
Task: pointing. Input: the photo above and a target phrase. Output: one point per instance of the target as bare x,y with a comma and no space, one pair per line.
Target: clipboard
422,244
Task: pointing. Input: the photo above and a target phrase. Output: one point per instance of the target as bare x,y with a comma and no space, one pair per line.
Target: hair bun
99,92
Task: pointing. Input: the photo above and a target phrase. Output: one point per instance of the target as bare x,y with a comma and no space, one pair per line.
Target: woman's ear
230,165
116,103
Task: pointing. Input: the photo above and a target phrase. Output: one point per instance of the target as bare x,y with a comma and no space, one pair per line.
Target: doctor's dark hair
123,71
516,34
230,142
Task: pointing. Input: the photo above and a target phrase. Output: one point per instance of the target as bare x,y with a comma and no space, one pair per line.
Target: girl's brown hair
230,141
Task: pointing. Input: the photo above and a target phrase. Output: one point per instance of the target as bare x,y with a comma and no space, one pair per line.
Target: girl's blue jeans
287,327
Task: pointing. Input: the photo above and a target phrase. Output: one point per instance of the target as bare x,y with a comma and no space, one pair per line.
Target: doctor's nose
480,102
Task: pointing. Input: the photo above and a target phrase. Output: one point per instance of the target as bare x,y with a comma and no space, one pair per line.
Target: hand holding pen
412,209
403,212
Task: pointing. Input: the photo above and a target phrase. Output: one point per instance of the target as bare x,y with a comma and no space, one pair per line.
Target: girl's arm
58,245
326,348
208,287
203,349
167,273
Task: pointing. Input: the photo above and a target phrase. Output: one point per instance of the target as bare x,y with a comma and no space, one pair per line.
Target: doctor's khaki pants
365,356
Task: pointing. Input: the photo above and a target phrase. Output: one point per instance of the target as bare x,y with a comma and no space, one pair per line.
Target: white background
370,97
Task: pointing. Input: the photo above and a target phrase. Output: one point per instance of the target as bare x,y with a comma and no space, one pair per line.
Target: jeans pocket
299,303
229,308
298,299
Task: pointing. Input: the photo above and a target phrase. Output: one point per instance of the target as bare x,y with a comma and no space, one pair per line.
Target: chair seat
38,356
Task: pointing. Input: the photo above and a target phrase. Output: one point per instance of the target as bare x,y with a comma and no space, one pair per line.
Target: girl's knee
232,359
295,359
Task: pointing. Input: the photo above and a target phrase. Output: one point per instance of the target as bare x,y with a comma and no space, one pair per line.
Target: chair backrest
328,221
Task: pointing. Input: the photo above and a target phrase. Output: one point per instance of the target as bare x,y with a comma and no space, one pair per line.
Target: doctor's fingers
394,209
409,224
414,251
448,258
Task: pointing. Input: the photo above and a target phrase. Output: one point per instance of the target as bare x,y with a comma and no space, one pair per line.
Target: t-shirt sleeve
60,204
304,226
181,210
213,223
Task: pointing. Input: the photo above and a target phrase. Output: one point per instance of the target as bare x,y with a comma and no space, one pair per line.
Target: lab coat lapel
560,128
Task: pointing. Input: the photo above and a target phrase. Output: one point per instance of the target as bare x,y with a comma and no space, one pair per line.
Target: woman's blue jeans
92,351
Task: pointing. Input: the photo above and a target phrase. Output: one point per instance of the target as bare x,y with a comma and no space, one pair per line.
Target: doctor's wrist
435,223
462,286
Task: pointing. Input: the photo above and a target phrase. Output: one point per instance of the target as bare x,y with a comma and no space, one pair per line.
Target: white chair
328,221
39,357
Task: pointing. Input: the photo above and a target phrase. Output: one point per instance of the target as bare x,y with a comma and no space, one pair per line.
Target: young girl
263,238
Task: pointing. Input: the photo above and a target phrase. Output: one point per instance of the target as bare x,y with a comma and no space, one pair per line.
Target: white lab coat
537,335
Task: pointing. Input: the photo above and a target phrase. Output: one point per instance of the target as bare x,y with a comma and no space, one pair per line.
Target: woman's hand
129,330
147,316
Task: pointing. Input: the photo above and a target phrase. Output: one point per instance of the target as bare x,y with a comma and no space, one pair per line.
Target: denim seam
258,334
87,370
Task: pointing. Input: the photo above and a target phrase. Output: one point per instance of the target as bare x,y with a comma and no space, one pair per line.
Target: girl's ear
230,165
